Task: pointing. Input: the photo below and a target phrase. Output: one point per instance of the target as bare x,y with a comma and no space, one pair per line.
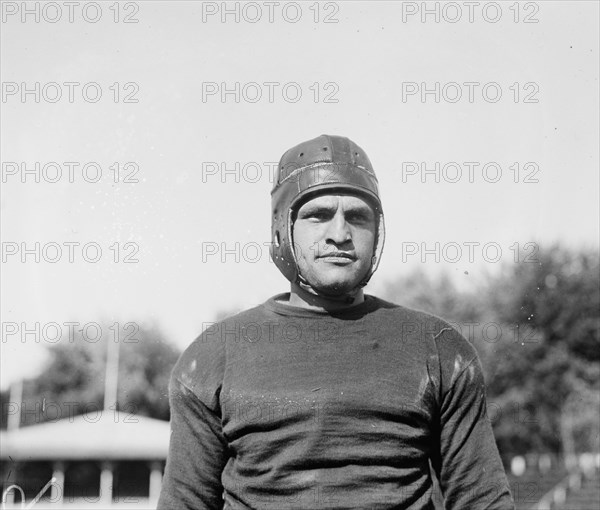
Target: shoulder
418,322
453,352
202,363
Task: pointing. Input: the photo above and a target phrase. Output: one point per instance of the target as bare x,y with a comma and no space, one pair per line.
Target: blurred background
171,173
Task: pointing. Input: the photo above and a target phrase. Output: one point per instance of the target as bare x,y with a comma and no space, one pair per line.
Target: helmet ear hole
277,241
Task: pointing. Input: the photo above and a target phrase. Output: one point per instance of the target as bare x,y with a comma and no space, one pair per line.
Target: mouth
338,257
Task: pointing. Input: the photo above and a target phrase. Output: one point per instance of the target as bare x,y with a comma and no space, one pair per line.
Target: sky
138,141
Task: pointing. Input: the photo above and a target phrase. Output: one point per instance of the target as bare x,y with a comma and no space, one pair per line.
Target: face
334,238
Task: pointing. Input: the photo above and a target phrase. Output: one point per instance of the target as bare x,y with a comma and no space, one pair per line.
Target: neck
304,299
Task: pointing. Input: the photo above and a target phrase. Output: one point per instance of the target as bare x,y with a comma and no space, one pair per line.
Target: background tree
73,381
550,374
536,327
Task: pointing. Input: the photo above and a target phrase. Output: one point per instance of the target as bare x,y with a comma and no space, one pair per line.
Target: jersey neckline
279,304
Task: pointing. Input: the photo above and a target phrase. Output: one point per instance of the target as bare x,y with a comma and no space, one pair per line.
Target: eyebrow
309,209
357,209
361,210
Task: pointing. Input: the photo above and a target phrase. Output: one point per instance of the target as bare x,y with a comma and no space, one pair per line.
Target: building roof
110,436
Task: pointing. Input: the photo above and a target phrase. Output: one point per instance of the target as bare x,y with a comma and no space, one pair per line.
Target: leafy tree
144,374
559,299
73,381
542,357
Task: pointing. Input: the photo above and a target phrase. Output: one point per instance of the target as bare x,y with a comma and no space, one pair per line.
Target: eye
318,216
359,217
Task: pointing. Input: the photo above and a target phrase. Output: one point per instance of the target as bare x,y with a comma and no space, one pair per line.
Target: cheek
301,243
307,237
366,242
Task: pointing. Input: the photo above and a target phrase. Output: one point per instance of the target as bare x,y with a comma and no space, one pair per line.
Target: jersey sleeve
198,450
471,473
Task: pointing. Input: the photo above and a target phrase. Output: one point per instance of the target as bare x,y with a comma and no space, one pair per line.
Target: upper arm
471,471
197,454
198,450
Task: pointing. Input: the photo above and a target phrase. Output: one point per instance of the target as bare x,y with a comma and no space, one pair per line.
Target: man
325,397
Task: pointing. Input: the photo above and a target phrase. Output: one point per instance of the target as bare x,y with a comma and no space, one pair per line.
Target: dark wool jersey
281,407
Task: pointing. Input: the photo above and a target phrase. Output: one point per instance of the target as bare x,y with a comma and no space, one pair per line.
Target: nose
339,230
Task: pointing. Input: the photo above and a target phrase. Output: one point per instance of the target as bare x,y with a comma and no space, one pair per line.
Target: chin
336,288
336,281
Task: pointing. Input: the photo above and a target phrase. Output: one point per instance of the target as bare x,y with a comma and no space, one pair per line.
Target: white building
111,460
